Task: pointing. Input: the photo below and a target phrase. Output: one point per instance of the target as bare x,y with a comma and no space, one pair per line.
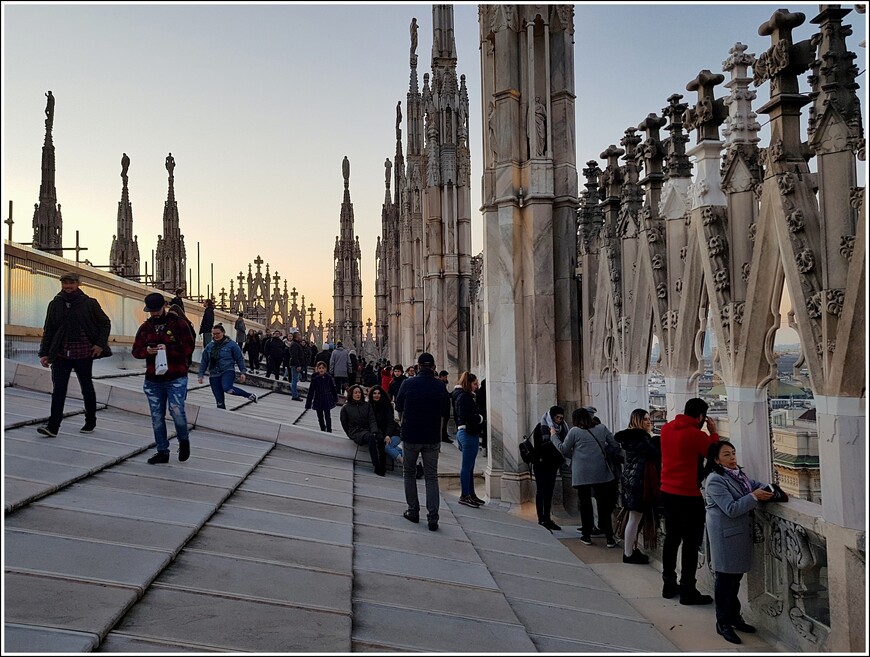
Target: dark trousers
377,451
324,418
684,523
61,368
273,366
545,483
254,361
725,589
605,499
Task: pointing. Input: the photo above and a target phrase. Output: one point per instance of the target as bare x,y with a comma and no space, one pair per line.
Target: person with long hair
220,358
588,445
359,423
468,425
322,396
639,451
731,497
385,416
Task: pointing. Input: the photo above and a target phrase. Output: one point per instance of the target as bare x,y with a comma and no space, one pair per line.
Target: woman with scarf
546,468
359,423
385,416
730,498
219,358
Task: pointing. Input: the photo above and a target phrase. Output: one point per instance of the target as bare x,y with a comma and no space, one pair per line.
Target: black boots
727,632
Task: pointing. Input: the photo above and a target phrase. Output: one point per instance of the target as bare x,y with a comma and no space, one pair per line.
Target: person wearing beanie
423,405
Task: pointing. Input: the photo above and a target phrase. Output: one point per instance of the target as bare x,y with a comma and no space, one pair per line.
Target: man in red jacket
683,445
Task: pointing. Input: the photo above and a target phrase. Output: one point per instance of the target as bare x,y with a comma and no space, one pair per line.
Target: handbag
613,460
528,453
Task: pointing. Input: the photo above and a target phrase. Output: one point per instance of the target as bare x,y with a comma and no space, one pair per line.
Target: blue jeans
392,448
160,394
223,383
469,445
61,368
294,381
430,452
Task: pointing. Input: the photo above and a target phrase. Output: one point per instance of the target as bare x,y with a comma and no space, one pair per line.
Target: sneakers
183,450
45,431
611,543
586,540
694,597
159,457
552,526
419,474
595,531
728,633
253,398
297,399
466,500
411,516
88,428
433,525
637,557
479,501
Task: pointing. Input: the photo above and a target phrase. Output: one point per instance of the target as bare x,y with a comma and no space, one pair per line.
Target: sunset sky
259,104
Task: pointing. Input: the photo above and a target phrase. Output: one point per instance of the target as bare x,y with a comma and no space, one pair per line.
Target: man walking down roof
424,406
76,332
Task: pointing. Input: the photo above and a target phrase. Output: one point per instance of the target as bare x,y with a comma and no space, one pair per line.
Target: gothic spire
47,220
124,254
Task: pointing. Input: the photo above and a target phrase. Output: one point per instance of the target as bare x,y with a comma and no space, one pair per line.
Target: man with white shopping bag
165,342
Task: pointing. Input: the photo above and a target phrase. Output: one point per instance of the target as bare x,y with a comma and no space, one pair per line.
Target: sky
259,104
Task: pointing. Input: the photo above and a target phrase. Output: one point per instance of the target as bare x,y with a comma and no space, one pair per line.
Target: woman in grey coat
588,445
731,496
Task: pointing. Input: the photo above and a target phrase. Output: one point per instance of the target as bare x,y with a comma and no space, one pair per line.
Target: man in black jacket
76,332
207,323
424,406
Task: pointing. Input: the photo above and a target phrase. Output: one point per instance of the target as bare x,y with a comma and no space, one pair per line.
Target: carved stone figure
49,108
541,125
490,125
125,164
170,164
413,36
388,166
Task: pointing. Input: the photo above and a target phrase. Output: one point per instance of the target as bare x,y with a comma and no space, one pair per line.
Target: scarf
215,352
741,479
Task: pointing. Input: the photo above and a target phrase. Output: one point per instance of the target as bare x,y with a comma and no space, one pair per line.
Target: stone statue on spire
345,171
170,165
125,165
413,37
49,110
388,166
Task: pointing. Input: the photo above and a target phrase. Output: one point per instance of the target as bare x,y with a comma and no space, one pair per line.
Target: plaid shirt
76,348
172,331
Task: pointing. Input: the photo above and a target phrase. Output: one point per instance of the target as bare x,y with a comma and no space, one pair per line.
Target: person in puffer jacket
322,396
360,424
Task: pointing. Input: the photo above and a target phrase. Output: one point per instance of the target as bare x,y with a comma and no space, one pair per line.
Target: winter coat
422,402
465,412
395,384
386,379
549,453
171,330
683,444
322,393
729,523
638,450
386,418
587,448
297,354
274,348
339,363
241,330
323,357
82,311
358,421
228,357
207,323
252,347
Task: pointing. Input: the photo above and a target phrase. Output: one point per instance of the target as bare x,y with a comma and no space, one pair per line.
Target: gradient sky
259,103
